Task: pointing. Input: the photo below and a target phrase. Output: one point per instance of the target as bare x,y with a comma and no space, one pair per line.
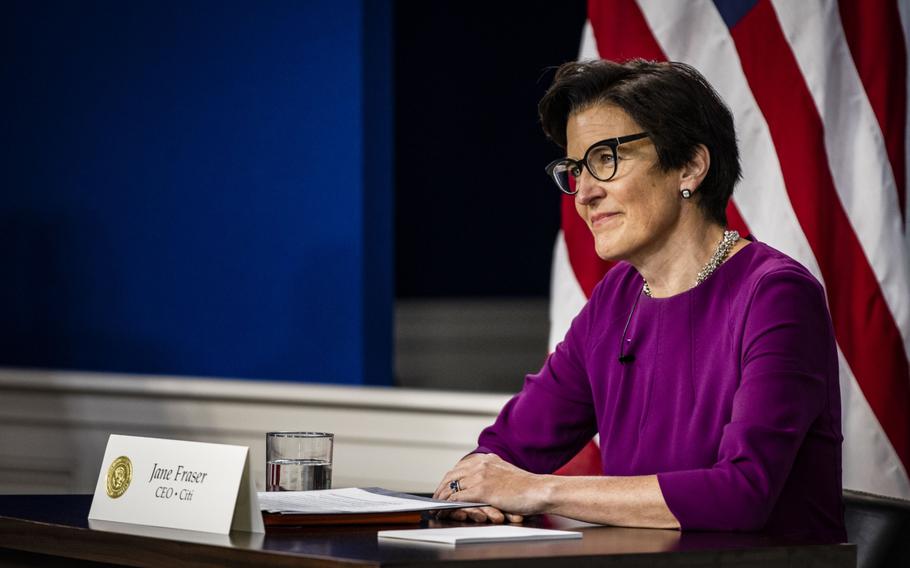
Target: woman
705,362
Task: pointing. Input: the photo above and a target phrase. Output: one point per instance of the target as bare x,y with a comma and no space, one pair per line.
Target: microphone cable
623,356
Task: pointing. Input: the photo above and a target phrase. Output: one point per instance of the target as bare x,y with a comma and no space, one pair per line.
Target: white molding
249,391
54,424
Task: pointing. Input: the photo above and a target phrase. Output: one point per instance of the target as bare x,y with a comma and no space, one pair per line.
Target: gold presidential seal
119,476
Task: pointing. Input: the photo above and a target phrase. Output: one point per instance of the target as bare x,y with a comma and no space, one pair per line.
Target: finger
444,490
463,485
514,518
494,515
448,495
476,515
460,471
443,484
469,514
471,489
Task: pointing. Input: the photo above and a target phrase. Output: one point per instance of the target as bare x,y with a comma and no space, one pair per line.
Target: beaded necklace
720,254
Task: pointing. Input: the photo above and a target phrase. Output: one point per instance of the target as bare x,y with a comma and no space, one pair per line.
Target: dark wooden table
39,530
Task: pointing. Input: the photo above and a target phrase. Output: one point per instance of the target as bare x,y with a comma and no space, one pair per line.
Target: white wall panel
54,425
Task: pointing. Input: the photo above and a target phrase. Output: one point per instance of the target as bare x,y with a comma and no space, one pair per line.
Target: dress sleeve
552,417
788,360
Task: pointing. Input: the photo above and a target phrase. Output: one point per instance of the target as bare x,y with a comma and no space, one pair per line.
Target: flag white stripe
870,463
854,144
761,196
566,296
588,50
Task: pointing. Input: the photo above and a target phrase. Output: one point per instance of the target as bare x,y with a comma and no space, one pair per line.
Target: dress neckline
731,261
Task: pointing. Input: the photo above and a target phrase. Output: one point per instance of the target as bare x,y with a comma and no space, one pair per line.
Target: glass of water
298,461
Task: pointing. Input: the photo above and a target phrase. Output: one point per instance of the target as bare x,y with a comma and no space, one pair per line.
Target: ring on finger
454,486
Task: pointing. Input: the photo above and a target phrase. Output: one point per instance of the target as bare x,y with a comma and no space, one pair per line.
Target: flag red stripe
864,326
587,266
622,31
876,41
735,220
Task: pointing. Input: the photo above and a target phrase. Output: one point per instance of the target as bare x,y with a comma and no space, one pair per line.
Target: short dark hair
671,100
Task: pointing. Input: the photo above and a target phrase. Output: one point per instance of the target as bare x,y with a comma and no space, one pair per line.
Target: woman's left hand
487,478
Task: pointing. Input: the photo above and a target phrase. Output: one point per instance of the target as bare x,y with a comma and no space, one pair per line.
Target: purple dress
732,398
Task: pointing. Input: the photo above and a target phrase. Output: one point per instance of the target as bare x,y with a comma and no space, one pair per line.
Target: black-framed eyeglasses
600,159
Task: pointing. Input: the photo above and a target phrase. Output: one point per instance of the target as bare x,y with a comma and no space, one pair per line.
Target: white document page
468,535
350,500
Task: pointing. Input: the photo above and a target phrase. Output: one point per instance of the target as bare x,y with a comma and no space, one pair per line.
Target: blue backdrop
198,188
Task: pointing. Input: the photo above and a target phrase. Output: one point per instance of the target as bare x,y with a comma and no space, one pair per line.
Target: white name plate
175,484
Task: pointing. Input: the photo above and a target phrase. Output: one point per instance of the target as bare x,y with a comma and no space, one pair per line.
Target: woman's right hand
479,515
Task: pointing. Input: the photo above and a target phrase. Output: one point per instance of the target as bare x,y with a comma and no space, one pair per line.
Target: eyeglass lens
564,176
601,162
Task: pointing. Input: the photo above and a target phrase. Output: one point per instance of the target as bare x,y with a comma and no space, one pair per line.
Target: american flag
818,89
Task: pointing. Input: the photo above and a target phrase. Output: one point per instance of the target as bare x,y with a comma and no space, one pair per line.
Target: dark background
475,214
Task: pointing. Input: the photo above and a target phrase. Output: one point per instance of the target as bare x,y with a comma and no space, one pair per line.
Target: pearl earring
686,193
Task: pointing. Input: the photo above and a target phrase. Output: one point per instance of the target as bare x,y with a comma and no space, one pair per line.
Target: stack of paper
469,535
347,506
